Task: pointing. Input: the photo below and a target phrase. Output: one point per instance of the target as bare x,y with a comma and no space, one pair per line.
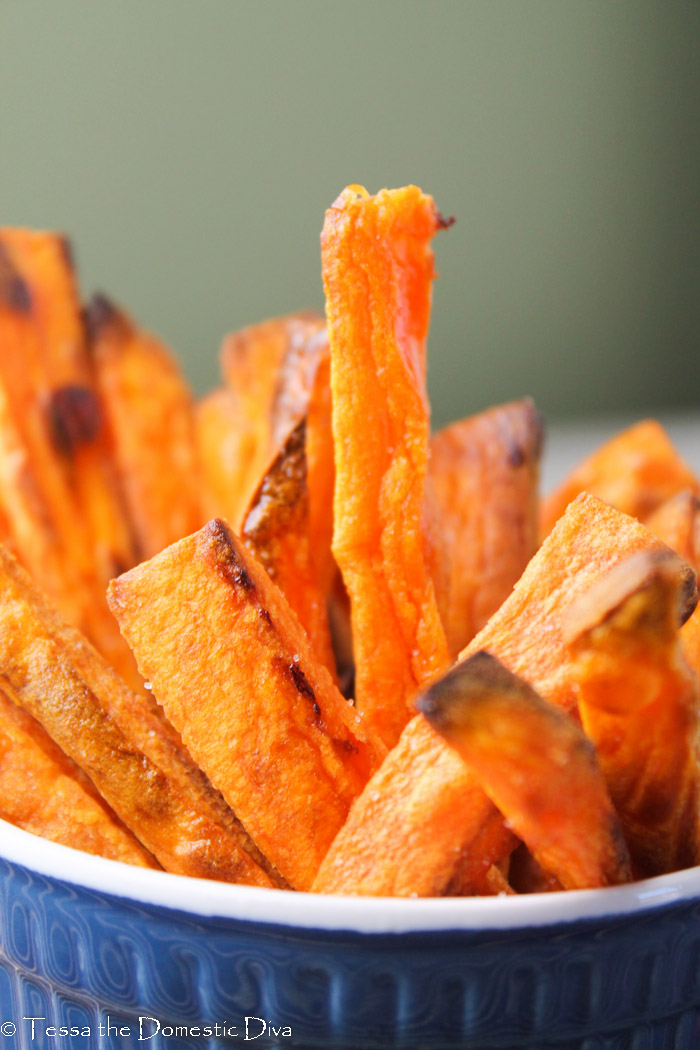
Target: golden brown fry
150,421
634,472
226,447
230,663
677,523
63,387
525,634
133,759
377,274
413,807
422,827
251,358
485,473
306,353
321,476
536,765
277,531
638,702
44,792
269,369
39,511
57,486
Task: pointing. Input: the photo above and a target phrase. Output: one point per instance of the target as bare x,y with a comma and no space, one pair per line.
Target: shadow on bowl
100,954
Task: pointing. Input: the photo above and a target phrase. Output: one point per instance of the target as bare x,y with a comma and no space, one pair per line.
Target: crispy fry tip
649,569
453,700
444,222
67,250
100,314
14,290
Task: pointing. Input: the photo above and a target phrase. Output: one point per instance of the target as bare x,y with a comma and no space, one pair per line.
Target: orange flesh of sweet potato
377,274
413,825
133,759
321,476
485,473
228,660
635,472
307,351
536,765
225,447
44,792
65,390
67,525
40,512
677,523
265,398
525,634
277,531
638,701
150,420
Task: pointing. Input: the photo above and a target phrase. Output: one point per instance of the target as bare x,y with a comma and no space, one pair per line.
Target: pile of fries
285,636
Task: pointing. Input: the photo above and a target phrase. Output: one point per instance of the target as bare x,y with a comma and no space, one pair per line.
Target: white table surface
568,443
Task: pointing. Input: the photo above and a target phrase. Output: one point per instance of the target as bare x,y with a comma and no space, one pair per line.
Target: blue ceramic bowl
130,958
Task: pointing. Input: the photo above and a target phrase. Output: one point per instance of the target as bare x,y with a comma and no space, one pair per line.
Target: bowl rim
378,915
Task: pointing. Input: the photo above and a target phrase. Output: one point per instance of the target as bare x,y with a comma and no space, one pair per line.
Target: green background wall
190,149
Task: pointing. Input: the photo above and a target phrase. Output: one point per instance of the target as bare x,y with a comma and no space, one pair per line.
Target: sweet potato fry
270,374
422,827
525,634
251,359
229,662
64,389
136,763
39,512
306,352
677,523
44,792
634,472
485,473
425,847
377,274
277,531
536,765
225,447
150,422
638,702
321,474
67,524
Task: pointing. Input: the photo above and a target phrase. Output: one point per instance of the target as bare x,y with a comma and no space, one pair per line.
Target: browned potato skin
638,701
277,531
150,420
131,757
484,472
536,765
43,791
229,661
